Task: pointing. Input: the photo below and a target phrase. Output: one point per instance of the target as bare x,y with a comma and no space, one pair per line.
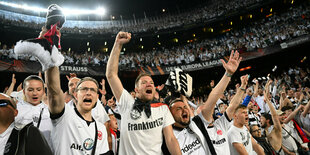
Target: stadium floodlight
24,6
99,11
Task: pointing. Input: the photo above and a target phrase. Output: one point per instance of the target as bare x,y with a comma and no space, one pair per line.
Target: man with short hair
191,138
240,139
27,140
75,130
144,123
289,146
98,112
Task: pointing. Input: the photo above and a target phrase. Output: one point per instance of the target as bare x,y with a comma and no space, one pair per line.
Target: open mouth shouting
35,99
149,91
185,116
88,101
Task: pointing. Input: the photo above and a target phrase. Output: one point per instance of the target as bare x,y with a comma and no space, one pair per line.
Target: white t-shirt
287,141
239,135
98,112
28,113
139,134
72,134
189,142
218,135
4,137
190,138
305,121
260,101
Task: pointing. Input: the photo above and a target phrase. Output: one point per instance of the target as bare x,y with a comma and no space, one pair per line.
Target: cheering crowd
268,117
261,34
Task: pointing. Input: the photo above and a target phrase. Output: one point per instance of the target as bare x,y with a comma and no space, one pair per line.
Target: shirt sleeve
168,120
126,102
224,122
61,117
234,136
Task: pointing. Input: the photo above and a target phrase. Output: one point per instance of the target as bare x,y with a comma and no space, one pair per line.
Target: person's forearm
255,94
112,65
214,96
54,92
235,102
10,89
292,115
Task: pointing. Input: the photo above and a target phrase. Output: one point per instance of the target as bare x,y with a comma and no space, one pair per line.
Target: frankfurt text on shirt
145,125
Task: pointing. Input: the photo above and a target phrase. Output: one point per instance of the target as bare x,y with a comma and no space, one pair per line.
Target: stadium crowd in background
266,115
261,34
288,93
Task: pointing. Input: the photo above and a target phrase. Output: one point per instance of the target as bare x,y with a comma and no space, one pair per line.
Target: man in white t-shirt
289,146
239,138
32,109
190,137
98,112
75,130
144,123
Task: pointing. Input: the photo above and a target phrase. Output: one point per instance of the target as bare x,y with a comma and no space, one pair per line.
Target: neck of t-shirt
85,114
238,125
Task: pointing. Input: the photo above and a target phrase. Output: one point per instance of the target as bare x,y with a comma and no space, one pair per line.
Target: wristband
228,75
243,89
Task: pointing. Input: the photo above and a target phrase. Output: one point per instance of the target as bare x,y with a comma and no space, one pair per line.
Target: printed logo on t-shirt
219,132
189,130
99,135
247,140
135,114
221,141
88,144
145,125
191,147
242,135
76,146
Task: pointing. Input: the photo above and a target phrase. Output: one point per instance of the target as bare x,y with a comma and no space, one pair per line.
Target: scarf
300,132
146,106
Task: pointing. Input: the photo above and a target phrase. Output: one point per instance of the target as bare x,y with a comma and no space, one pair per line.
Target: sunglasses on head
4,103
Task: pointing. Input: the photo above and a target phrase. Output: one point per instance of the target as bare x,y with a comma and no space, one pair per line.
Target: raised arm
103,92
238,97
12,85
276,122
256,88
54,93
276,133
112,67
293,114
230,67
